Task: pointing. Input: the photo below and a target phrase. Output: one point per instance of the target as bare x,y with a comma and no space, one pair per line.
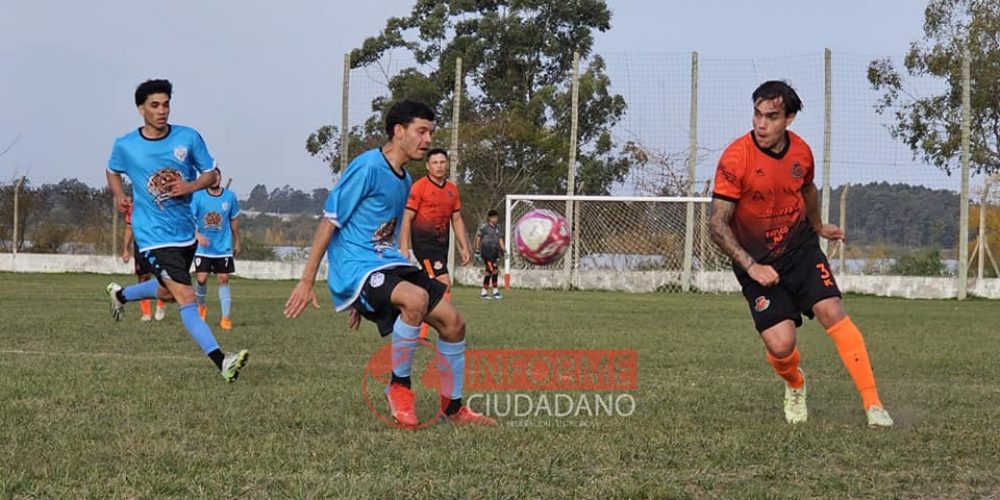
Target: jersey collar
779,155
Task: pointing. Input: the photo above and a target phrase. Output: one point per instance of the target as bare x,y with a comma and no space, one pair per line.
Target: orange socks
851,347
144,306
788,368
159,304
423,326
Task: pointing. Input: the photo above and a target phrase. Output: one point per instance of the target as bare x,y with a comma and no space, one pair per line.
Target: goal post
629,243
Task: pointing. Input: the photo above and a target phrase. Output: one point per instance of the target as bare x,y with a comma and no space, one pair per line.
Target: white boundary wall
911,287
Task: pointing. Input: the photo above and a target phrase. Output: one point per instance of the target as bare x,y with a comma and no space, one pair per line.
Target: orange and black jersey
434,205
770,215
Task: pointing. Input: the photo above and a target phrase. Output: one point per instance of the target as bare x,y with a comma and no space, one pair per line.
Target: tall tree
931,126
517,60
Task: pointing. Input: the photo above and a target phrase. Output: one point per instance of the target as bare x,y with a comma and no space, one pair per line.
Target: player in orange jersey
432,209
765,216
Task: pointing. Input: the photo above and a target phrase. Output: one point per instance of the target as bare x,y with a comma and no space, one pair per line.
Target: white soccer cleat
497,296
145,318
233,363
485,295
795,403
117,307
878,417
159,314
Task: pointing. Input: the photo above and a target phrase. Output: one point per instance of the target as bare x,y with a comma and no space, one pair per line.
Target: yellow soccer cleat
795,403
878,417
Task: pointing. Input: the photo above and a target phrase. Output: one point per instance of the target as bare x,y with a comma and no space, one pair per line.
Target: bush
251,249
48,238
927,263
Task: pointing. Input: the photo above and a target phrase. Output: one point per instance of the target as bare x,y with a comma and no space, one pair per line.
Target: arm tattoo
722,234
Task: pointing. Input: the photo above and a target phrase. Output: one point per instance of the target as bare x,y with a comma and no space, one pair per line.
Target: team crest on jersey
438,265
225,205
212,221
158,182
376,280
797,171
197,261
181,153
760,304
384,237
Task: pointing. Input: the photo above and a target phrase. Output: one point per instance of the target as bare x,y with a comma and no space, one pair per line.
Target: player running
166,163
369,275
218,232
765,216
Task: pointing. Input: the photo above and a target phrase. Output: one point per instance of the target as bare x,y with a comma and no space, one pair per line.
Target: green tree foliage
931,126
517,58
899,214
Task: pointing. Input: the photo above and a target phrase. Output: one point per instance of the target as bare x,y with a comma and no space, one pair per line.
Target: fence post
692,163
345,97
843,226
571,177
17,191
963,218
453,155
827,120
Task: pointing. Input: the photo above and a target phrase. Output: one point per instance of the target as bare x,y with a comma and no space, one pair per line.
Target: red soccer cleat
466,416
402,405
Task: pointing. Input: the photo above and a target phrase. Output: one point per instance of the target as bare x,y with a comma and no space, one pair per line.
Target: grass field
93,408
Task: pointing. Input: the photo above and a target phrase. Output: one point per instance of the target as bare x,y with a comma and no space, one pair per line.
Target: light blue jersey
366,205
157,219
213,216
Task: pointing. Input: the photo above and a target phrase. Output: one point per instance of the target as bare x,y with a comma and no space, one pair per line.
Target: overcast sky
256,77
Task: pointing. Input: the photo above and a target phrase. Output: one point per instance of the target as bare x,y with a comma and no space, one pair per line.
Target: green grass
93,408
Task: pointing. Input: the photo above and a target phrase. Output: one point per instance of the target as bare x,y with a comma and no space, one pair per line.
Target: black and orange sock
851,347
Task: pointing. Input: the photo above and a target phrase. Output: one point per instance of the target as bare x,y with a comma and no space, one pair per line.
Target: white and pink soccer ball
542,236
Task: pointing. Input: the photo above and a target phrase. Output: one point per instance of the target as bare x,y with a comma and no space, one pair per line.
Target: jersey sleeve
416,192
729,175
346,196
481,232
116,162
234,206
200,157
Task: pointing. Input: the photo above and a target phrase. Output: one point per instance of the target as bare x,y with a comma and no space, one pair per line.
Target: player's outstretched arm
303,294
723,236
458,225
811,197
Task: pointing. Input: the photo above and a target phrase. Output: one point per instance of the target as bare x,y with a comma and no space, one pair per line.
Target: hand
763,274
177,187
236,248
126,255
831,232
354,319
124,203
466,257
202,239
301,296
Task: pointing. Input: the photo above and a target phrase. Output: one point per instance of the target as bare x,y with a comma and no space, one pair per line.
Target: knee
829,312
781,349
454,329
223,279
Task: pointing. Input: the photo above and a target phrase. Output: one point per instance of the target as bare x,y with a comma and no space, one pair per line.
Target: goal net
638,244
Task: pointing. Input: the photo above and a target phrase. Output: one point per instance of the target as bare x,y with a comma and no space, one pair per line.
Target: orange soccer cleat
402,405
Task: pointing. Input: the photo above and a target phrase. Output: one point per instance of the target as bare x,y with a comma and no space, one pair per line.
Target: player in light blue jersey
215,210
165,163
368,274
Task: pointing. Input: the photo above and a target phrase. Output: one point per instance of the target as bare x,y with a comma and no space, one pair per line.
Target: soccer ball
542,236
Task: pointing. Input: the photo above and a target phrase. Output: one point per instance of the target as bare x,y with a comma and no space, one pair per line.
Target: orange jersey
770,216
434,206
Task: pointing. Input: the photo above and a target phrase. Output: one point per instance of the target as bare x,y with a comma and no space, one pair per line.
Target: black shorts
171,263
375,304
804,278
214,265
491,261
433,259
141,266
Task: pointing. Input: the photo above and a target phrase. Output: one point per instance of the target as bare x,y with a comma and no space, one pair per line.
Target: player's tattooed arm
722,234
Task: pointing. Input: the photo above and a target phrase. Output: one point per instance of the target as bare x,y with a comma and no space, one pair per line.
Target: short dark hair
774,89
404,112
149,87
492,213
436,151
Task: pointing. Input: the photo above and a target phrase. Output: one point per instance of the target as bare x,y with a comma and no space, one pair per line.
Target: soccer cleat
225,324
497,296
159,314
202,311
483,294
878,417
233,363
467,416
795,403
146,318
402,405
117,307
